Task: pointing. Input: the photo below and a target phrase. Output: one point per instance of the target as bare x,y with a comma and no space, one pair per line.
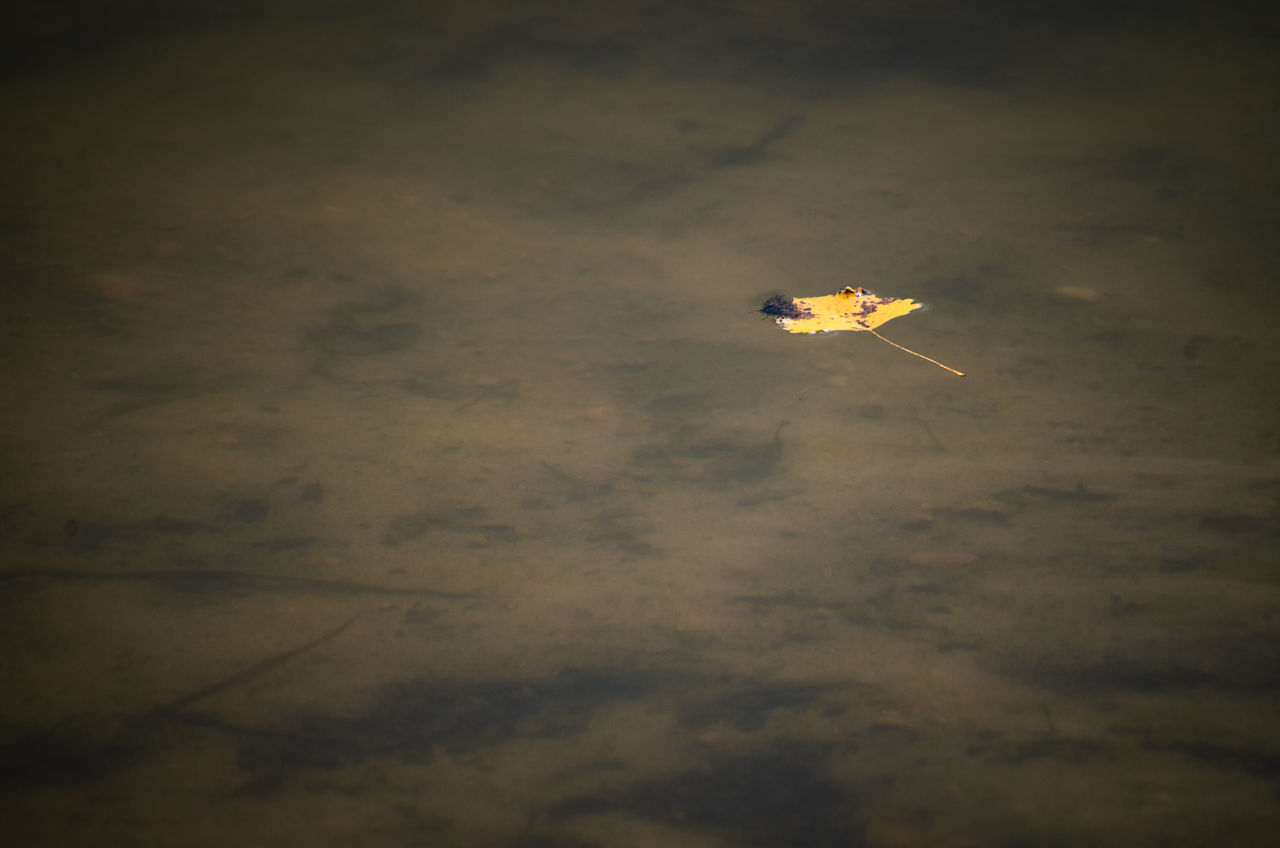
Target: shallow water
394,453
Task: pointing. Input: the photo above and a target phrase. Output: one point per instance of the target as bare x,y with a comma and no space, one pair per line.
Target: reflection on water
395,453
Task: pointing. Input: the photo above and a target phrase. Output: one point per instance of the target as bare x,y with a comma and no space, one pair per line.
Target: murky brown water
393,453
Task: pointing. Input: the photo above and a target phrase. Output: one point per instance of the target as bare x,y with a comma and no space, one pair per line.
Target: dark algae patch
782,306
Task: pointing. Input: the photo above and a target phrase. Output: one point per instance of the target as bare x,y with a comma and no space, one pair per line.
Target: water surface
394,454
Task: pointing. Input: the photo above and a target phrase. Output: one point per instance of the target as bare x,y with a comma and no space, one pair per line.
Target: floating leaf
849,309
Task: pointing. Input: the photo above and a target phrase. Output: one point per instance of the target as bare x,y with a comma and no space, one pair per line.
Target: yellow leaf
852,309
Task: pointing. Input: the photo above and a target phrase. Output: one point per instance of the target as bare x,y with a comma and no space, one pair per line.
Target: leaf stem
913,353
